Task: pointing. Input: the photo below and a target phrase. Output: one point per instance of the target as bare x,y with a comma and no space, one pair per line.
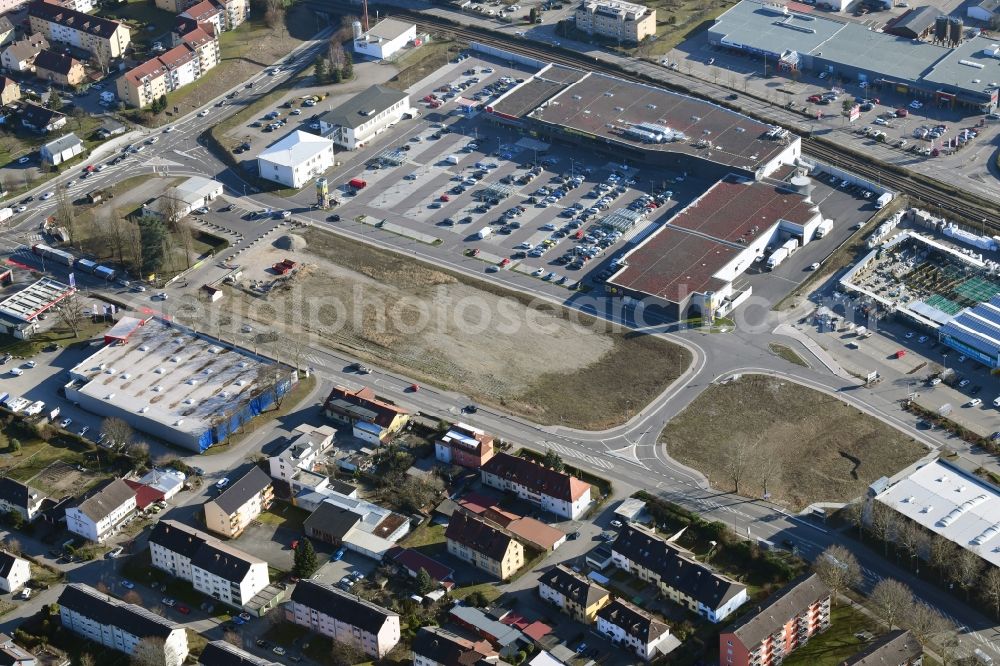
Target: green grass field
838,642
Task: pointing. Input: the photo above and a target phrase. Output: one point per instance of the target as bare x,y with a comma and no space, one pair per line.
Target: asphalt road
630,453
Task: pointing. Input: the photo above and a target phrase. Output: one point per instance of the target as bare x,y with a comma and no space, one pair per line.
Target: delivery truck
776,258
485,232
6,214
451,159
883,200
790,246
824,228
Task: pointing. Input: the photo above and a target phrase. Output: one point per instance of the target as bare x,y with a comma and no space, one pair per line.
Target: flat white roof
296,148
952,504
390,29
198,186
172,376
34,299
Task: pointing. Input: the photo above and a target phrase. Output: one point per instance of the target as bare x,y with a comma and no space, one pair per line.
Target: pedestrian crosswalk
568,452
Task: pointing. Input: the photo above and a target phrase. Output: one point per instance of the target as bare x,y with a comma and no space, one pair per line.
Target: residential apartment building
16,497
562,494
236,11
102,511
676,573
104,39
59,68
14,572
786,621
20,56
40,119
485,546
213,568
373,419
205,11
12,654
572,593
465,446
241,502
434,646
224,653
896,648
634,629
85,6
615,19
363,117
120,626
187,62
303,453
343,617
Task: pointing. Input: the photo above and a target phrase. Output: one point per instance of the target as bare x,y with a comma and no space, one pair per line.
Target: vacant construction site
761,434
458,333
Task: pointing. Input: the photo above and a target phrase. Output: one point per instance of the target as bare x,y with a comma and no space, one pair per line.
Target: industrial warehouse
643,124
173,383
946,66
693,260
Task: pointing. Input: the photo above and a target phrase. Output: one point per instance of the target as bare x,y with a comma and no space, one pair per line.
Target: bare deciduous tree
968,567
839,569
854,513
942,552
890,600
911,538
151,651
883,523
233,638
739,460
118,431
989,589
925,622
71,313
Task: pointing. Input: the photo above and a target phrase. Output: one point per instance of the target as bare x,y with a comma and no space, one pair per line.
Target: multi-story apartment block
223,653
104,39
236,11
434,646
344,617
631,627
562,494
239,504
474,540
465,446
15,496
212,567
197,53
121,626
676,573
615,19
574,594
205,11
896,648
100,513
771,632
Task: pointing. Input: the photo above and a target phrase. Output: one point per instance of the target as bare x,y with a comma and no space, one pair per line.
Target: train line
959,204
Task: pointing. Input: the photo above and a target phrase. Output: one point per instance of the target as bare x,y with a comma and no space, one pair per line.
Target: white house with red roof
562,494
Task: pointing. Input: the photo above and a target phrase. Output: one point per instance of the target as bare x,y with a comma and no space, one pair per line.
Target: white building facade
385,39
296,159
100,515
353,124
14,572
344,617
118,625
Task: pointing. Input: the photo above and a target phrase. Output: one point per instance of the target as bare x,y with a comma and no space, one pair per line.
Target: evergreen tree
305,563
152,237
321,72
424,581
553,460
14,445
347,71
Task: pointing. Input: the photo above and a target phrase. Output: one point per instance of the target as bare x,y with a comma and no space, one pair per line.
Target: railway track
965,206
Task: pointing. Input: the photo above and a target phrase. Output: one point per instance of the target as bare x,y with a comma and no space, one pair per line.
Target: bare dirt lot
457,333
806,446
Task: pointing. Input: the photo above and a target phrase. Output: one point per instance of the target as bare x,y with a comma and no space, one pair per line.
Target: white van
485,232
996,401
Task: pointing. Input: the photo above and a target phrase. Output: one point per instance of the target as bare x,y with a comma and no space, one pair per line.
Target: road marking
561,449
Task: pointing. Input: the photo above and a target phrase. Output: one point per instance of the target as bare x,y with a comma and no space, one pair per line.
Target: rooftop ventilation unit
110,396
143,348
144,409
192,382
159,371
178,422
110,371
125,375
175,359
189,401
